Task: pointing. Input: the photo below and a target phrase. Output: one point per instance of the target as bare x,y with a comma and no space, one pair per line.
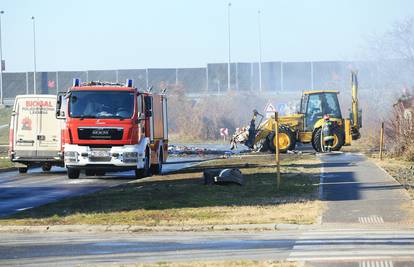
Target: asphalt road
358,191
338,247
24,191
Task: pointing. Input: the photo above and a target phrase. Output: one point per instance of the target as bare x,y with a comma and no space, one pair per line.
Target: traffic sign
224,132
269,109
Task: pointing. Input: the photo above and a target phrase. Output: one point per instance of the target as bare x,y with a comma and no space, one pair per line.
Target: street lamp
34,55
1,64
228,64
260,51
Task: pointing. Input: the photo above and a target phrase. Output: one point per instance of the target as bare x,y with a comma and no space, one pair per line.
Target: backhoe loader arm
252,134
356,122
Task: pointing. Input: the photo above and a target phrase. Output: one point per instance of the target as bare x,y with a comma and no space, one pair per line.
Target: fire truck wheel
73,173
23,170
157,168
142,173
46,167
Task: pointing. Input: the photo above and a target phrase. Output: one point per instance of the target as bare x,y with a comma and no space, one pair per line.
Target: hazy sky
98,34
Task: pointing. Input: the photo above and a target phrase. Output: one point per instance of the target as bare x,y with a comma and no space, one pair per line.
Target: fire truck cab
113,127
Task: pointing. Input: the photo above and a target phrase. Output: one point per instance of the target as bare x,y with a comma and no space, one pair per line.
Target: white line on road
321,182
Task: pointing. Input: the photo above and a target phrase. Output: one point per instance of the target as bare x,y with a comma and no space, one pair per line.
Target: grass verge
5,163
5,114
182,199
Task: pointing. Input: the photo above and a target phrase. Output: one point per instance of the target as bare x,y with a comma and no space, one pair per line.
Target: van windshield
101,104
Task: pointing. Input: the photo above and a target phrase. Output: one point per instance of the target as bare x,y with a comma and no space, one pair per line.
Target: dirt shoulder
403,172
400,170
182,199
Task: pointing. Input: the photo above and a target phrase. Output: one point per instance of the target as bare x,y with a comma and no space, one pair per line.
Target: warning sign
269,110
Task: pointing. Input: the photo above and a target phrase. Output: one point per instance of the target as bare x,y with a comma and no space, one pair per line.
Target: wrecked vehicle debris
223,177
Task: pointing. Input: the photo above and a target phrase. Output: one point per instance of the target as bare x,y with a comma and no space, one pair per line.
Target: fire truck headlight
71,156
130,156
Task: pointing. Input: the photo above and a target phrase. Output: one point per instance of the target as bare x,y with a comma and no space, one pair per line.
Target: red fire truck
113,127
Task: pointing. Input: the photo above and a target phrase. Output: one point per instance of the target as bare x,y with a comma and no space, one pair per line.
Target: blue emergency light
129,82
76,82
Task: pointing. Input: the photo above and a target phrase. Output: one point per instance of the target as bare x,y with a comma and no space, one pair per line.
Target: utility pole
228,64
34,55
260,51
1,64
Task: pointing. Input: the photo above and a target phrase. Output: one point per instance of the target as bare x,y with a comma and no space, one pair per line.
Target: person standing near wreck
327,133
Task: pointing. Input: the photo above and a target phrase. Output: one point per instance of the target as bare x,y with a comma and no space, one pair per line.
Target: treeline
201,118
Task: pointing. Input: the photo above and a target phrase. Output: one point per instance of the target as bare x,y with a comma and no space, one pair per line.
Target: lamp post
229,62
260,50
1,64
34,55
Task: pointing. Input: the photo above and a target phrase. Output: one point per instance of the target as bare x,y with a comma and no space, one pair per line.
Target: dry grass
238,263
401,170
183,199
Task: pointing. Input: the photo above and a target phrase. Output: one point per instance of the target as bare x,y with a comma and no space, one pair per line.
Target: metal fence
276,77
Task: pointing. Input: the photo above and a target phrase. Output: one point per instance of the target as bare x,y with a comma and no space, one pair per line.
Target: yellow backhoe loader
305,126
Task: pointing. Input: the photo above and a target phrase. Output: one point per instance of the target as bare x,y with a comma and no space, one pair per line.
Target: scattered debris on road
194,150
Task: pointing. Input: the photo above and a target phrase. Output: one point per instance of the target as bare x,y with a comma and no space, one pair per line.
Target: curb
140,228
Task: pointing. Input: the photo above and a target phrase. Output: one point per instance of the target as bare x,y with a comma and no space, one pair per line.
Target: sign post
277,158
381,140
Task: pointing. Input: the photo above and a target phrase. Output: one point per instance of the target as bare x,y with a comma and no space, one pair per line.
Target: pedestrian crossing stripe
376,263
371,220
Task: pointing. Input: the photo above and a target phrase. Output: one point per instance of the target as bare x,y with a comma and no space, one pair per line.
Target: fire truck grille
100,133
100,159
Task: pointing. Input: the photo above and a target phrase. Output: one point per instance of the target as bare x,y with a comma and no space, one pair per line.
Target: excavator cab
315,104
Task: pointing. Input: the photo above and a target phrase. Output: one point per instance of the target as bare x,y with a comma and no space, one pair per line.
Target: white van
35,133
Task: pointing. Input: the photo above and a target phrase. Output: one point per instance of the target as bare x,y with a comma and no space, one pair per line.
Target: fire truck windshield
101,104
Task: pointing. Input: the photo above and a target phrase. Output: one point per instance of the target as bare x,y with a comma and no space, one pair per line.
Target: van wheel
142,173
22,170
157,168
73,173
99,173
46,167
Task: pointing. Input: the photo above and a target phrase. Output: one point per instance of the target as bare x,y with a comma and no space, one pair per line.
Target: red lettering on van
38,103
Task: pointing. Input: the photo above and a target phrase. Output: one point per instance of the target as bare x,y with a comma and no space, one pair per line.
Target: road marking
321,182
371,220
357,246
376,263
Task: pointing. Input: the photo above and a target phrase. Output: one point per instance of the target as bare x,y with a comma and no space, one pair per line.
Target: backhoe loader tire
287,140
339,138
